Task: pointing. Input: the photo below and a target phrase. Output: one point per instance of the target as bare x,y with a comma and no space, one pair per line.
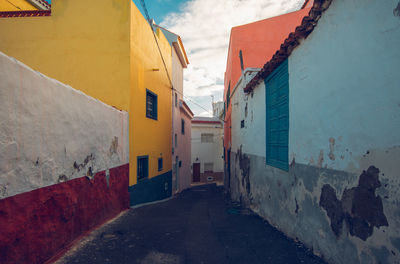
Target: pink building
181,116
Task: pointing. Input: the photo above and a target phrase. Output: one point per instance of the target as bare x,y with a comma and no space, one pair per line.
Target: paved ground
200,225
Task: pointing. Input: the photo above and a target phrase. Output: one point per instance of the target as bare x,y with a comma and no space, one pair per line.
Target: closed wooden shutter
277,117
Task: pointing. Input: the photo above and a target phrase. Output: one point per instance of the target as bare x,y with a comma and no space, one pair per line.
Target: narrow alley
200,225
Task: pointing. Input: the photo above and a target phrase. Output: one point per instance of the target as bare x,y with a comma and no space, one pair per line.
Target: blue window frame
142,167
160,164
277,117
151,105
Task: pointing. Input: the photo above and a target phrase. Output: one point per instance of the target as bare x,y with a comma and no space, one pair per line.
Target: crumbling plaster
50,132
344,118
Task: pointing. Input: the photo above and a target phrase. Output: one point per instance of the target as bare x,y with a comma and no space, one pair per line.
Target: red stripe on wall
38,224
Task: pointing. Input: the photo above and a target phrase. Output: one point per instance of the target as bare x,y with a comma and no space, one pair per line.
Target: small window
142,167
160,164
180,163
242,124
151,105
176,100
208,167
183,126
176,140
207,138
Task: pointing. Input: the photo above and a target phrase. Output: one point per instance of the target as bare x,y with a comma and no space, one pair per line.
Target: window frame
154,114
212,167
160,161
146,172
204,141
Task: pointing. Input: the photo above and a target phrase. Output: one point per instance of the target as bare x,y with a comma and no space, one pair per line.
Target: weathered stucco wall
341,194
63,164
51,133
251,109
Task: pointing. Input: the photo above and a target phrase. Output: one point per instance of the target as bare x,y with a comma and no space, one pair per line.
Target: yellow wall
149,137
106,50
81,44
15,5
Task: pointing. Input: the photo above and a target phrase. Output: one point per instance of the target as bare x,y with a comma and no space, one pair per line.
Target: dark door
196,172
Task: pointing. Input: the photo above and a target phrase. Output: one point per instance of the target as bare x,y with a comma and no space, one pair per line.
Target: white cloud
204,26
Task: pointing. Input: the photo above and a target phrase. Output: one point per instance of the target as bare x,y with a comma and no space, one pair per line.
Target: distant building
181,115
207,151
218,109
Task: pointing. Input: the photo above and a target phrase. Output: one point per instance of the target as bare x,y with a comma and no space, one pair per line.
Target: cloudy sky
204,26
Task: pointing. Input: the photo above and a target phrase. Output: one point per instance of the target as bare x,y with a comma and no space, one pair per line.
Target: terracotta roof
291,42
29,13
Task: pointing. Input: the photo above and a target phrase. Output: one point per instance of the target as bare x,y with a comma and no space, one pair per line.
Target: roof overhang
291,42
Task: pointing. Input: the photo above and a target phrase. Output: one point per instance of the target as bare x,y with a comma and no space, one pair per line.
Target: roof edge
291,42
185,108
26,13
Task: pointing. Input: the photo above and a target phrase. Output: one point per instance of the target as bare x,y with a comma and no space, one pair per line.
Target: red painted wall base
36,225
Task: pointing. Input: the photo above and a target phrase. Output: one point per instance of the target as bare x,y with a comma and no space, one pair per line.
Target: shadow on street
200,225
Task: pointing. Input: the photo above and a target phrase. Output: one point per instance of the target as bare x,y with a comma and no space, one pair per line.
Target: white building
316,133
207,149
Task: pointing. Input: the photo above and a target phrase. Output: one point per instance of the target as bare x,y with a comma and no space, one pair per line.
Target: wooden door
196,172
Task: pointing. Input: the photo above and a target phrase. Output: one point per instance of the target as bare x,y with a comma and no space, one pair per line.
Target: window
176,100
160,164
151,105
176,140
183,126
208,167
242,124
207,138
277,117
142,167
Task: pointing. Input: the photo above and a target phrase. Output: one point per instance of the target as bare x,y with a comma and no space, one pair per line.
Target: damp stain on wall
396,11
244,164
359,207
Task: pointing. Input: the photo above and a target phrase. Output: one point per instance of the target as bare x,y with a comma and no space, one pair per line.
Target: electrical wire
165,66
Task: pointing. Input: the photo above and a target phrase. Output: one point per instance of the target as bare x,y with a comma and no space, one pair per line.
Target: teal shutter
277,117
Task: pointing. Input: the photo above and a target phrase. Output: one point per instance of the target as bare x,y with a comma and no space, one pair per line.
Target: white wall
252,136
344,86
208,152
50,132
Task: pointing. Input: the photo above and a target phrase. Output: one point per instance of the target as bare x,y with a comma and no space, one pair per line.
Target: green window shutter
277,117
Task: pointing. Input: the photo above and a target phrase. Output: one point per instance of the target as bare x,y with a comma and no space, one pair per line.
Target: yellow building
108,51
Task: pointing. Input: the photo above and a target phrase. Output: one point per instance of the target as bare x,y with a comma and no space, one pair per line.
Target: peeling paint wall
341,194
51,133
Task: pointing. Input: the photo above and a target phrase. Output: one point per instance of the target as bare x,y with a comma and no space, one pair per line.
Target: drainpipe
241,65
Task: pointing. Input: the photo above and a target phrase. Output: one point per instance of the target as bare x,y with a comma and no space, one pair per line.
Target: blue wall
149,190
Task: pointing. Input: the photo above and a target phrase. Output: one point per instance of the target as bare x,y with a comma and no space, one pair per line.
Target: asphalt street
200,225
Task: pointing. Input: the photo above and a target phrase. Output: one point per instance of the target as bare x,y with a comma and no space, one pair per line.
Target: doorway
196,172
